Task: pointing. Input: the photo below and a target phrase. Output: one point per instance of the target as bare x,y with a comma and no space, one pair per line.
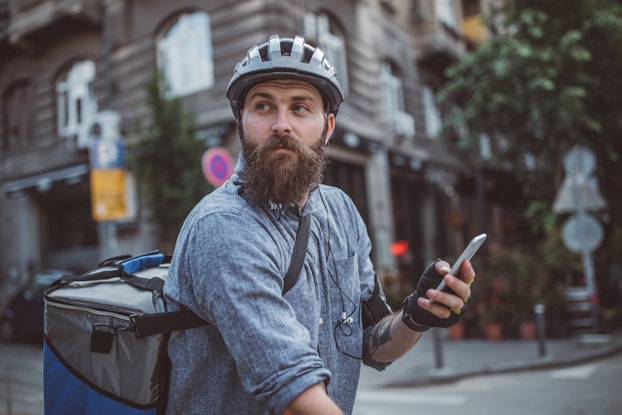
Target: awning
44,181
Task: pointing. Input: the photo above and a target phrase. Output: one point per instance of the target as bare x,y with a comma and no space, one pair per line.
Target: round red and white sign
217,165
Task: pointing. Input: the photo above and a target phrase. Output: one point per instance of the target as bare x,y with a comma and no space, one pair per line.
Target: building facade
64,64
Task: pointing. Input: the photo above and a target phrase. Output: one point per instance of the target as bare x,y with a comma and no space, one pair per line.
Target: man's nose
282,123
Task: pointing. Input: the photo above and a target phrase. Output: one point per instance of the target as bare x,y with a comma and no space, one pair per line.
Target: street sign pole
586,258
581,165
582,233
108,180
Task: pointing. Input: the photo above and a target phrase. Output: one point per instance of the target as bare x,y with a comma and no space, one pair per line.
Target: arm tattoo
382,333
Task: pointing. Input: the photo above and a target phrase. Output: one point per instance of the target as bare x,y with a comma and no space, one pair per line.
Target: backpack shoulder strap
298,255
144,325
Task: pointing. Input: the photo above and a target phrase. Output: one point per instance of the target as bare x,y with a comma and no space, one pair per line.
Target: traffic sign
217,165
582,233
106,153
578,192
108,194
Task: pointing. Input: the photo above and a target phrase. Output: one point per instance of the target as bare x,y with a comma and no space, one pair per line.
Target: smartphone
468,253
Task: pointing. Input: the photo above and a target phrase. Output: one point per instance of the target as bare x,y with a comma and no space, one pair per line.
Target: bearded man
266,352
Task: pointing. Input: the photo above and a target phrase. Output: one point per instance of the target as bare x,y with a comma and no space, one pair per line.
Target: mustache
281,141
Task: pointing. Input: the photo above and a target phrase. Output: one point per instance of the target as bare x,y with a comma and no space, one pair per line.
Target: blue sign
106,153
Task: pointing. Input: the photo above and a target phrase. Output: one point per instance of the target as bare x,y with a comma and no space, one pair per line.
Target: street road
21,379
588,389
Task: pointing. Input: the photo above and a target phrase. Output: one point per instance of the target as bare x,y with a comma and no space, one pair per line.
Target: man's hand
428,307
313,401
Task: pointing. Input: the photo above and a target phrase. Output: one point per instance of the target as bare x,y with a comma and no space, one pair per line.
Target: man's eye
262,106
299,108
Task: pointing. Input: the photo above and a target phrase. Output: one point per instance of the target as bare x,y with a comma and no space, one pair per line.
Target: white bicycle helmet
285,58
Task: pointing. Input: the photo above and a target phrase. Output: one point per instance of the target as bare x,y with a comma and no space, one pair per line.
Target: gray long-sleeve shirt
262,349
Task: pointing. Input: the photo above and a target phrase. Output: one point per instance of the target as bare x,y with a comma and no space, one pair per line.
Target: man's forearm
391,339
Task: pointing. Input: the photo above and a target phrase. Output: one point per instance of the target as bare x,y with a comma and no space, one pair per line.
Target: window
445,13
393,102
185,54
485,147
322,29
76,103
461,130
18,116
392,93
432,114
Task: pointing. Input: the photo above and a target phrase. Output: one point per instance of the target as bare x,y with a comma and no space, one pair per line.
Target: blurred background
460,117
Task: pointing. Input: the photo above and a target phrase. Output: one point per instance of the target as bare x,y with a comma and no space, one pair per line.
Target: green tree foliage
167,162
548,79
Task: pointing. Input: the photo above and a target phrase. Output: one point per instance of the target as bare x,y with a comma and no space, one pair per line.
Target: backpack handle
126,269
133,264
129,267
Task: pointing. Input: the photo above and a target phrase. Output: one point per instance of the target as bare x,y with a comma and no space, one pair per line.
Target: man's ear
330,127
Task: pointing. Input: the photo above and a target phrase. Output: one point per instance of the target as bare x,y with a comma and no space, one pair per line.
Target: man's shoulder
334,195
224,199
333,192
223,220
223,205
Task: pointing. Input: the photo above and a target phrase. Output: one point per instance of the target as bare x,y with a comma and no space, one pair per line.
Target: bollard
539,310
438,348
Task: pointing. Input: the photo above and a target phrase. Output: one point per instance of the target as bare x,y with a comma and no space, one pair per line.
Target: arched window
433,121
76,102
392,90
18,105
446,13
324,30
393,107
185,54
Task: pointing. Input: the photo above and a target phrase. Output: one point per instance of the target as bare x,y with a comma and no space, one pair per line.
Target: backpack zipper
88,310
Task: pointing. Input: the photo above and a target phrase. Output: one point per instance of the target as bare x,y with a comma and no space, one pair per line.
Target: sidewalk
472,357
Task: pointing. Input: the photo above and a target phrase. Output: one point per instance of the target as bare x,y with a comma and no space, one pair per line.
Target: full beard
282,177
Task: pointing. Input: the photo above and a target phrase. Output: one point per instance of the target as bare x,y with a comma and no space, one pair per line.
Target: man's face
283,129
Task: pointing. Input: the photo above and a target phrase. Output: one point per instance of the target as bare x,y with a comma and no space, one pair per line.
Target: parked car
23,316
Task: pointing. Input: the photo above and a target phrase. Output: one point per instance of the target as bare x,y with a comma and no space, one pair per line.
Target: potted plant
495,321
457,331
528,281
524,286
493,308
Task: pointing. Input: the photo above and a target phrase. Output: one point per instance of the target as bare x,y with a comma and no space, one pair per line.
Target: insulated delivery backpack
102,353
106,333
